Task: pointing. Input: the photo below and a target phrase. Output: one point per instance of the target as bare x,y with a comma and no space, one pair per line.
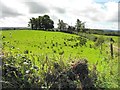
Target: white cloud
96,15
16,5
111,11
20,21
103,25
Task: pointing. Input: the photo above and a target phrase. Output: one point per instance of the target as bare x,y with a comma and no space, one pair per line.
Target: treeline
42,22
15,28
103,32
46,23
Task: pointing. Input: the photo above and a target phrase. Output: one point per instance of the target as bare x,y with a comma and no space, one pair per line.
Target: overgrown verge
20,71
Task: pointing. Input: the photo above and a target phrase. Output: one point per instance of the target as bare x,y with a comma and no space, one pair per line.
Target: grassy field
50,43
69,47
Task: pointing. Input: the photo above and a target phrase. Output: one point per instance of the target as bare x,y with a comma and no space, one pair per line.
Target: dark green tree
33,23
61,25
71,29
39,22
80,26
30,23
47,22
42,22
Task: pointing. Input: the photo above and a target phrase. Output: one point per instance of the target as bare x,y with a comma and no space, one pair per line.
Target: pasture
68,48
52,44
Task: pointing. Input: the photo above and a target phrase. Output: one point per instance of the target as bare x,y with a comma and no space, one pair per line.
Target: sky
97,14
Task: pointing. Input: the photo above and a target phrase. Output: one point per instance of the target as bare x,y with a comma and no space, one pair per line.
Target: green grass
41,42
37,43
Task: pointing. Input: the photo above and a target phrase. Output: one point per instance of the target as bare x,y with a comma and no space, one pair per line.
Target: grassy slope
34,41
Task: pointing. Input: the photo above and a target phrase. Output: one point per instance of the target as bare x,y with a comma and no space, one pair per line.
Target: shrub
22,72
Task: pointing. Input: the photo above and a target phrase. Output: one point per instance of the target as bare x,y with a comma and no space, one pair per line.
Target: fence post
111,46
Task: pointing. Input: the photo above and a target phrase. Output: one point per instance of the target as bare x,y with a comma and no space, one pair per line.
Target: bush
99,41
21,72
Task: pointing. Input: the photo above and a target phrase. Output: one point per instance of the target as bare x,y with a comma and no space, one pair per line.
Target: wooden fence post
111,46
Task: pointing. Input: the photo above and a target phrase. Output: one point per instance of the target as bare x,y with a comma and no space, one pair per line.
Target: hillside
57,46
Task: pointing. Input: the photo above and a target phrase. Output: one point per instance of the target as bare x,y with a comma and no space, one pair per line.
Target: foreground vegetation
39,59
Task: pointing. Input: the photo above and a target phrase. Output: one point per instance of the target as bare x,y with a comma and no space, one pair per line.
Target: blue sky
102,14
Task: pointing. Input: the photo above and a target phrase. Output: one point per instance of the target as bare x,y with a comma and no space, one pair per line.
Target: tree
42,22
33,23
71,29
30,24
61,25
80,26
47,22
40,26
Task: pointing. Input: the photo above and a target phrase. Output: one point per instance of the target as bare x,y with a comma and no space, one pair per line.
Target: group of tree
79,26
45,23
42,22
61,25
